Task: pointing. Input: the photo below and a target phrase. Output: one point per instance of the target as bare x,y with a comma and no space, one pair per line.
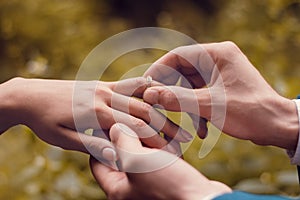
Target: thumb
124,138
128,146
175,98
133,157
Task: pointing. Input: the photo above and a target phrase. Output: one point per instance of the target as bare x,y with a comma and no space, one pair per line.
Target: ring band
148,81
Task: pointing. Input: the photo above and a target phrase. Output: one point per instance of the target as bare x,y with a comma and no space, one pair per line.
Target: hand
224,81
58,111
170,177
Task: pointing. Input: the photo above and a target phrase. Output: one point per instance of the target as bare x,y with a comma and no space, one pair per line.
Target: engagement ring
148,81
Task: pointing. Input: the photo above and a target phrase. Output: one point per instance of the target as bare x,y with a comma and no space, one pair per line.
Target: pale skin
177,180
254,111
46,106
49,108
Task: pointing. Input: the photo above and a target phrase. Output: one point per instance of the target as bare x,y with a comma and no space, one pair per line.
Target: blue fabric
237,195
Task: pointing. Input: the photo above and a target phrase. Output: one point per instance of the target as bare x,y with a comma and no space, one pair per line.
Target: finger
101,133
135,158
127,144
133,86
124,137
175,145
202,129
107,153
150,115
180,99
200,124
98,147
165,69
108,178
147,134
192,81
188,60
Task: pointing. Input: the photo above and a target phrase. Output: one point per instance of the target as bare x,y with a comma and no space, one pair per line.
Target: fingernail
171,149
186,135
158,106
109,154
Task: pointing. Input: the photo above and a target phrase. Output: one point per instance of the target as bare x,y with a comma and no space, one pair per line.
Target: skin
58,116
222,78
214,77
254,111
176,180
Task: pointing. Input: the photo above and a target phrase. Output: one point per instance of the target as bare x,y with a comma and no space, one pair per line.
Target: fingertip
186,135
171,149
151,95
202,132
202,135
200,124
114,133
123,137
109,154
118,128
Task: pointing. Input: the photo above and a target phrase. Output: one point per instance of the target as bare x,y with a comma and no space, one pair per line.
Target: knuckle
225,52
177,50
229,44
230,48
114,134
139,81
146,108
168,98
180,49
138,123
103,92
99,109
17,79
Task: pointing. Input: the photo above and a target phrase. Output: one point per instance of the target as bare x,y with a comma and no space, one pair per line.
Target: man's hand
227,90
168,178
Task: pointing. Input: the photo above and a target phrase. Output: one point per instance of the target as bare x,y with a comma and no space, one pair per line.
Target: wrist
10,104
288,125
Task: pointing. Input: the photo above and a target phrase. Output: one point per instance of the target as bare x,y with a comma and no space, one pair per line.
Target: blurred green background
50,39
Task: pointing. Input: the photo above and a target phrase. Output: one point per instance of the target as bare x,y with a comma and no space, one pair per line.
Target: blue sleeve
237,195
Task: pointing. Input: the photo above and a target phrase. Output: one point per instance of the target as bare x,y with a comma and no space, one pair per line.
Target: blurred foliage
50,39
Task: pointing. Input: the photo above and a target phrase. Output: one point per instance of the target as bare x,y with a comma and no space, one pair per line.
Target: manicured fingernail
109,154
186,135
171,149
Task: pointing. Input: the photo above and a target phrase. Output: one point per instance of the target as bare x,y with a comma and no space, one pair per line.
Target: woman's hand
60,111
150,174
227,90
